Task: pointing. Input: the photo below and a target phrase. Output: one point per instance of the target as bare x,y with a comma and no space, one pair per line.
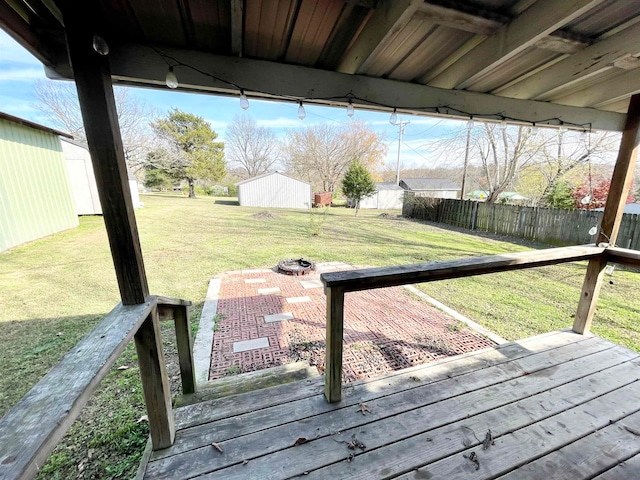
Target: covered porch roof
524,61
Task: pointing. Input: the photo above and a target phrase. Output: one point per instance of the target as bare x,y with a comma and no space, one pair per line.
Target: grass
53,291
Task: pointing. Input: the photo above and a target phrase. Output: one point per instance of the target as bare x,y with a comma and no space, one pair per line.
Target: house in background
431,187
35,192
274,190
388,196
83,180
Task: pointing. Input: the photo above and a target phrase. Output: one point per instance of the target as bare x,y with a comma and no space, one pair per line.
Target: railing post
184,343
335,327
155,383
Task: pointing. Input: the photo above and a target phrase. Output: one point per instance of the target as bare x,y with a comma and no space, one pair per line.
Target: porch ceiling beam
578,66
388,19
141,65
21,31
237,26
535,23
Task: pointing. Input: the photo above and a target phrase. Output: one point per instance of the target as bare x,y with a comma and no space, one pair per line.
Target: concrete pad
278,317
298,299
311,283
255,280
254,344
267,291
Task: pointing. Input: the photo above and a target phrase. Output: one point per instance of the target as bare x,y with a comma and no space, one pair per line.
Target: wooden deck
559,405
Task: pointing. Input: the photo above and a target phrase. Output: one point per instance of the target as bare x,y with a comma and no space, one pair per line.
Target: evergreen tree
357,183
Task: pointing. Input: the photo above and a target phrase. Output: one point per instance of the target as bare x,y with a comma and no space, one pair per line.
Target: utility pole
466,158
401,126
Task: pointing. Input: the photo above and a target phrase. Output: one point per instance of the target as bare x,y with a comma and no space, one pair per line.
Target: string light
244,101
99,45
534,128
503,124
351,98
470,123
171,80
301,112
393,119
350,109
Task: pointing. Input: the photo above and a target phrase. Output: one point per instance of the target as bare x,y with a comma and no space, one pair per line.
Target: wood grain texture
155,383
31,429
95,92
624,471
184,344
623,256
334,342
365,279
614,209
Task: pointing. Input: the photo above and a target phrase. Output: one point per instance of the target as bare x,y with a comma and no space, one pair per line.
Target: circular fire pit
296,266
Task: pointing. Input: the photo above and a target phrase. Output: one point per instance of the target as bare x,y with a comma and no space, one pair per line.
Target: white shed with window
274,190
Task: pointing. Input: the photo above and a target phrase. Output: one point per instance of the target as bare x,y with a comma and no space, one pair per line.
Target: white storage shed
388,196
274,190
83,179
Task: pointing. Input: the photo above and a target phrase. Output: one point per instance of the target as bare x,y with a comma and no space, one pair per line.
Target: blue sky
19,70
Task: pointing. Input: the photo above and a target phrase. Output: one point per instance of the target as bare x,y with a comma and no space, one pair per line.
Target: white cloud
21,75
12,51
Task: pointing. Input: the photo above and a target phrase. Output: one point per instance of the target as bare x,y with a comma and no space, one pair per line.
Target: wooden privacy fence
546,225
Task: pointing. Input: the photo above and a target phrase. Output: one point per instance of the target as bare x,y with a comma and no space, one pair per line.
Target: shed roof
543,61
429,184
248,180
388,186
37,126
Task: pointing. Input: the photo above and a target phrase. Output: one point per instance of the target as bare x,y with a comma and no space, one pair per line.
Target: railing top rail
623,256
31,429
370,278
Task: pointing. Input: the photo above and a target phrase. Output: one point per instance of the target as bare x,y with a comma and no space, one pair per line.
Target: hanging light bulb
244,101
393,119
470,123
301,112
502,125
534,128
171,80
99,45
350,109
562,129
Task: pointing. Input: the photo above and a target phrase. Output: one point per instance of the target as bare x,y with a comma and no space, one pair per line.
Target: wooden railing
33,427
338,283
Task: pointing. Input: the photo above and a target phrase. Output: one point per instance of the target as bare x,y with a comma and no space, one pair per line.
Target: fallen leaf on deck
300,441
363,408
143,418
488,440
244,462
217,447
415,379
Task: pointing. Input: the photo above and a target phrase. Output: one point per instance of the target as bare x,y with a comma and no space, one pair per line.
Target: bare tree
251,147
59,102
321,154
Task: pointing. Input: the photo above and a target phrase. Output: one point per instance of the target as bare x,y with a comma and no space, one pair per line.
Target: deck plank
227,407
624,471
513,449
415,451
588,456
555,364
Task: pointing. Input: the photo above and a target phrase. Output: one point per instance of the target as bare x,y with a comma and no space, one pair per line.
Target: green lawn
55,290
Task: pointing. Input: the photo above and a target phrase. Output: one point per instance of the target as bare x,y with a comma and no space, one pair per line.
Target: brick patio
267,319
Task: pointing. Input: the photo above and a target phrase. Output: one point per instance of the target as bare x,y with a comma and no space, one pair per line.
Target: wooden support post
613,211
335,328
95,92
155,383
184,343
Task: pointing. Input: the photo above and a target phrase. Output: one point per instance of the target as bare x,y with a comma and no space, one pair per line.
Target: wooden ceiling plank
538,21
138,65
611,91
237,24
436,70
389,17
21,31
579,65
187,23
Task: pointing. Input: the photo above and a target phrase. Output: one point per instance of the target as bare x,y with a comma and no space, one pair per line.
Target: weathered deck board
425,418
624,471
